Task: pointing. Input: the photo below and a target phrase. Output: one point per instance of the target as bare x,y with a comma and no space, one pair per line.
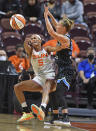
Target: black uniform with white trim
64,76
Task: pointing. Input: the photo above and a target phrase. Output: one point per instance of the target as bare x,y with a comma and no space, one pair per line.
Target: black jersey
65,68
64,56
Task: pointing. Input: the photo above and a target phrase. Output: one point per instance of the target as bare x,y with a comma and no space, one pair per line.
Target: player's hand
28,42
46,11
85,81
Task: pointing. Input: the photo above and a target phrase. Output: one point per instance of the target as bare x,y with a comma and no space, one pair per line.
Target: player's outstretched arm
54,22
63,40
50,49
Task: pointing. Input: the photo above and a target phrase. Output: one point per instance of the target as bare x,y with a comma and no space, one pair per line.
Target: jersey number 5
40,61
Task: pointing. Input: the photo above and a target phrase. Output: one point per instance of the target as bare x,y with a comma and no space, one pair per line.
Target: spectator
20,60
32,10
75,50
73,9
10,7
87,70
3,55
6,66
55,8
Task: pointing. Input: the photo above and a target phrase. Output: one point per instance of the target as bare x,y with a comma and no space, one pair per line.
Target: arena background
84,35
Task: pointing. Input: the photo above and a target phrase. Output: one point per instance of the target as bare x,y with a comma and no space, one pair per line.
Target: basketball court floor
8,123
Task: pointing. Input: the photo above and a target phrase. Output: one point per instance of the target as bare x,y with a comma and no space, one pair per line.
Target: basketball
17,21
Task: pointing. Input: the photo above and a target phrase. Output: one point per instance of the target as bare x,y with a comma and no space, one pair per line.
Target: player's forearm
53,49
27,49
54,22
49,26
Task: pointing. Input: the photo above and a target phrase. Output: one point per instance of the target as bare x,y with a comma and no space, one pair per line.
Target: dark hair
19,46
67,23
91,48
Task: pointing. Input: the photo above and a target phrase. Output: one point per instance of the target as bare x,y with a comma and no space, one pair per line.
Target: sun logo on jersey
39,56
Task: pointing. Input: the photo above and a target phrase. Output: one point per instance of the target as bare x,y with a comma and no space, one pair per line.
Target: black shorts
66,75
64,79
57,98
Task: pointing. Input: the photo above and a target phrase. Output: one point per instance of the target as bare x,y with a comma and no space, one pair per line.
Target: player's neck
38,49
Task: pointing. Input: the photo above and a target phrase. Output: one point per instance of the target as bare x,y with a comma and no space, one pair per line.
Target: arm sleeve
79,11
81,66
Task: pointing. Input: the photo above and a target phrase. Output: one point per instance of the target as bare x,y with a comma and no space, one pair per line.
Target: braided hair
67,23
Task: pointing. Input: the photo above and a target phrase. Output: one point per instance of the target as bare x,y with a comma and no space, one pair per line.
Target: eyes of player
33,38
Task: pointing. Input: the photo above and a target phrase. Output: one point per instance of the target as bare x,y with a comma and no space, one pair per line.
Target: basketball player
65,69
44,80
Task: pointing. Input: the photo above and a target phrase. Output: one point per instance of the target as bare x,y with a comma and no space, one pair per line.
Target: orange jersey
19,63
75,50
53,43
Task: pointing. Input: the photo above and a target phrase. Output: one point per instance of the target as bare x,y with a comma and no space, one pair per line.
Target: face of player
36,42
20,51
60,29
32,2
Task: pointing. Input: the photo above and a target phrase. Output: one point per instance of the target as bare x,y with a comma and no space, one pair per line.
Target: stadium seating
32,28
91,18
5,24
79,30
10,40
89,6
94,33
83,42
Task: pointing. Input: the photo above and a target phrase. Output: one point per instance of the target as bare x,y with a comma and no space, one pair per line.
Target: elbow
52,33
49,31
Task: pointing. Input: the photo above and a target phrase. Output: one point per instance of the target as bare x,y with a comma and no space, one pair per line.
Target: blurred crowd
83,34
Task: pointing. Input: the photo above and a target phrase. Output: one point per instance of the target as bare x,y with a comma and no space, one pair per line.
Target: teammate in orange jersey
44,80
20,60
